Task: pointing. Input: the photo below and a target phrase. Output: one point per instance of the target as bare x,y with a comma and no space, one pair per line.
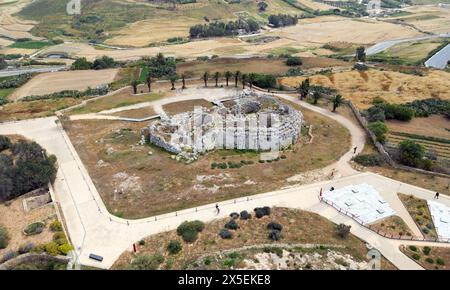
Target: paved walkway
93,230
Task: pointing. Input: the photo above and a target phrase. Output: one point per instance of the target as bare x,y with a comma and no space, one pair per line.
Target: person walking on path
436,196
217,209
354,149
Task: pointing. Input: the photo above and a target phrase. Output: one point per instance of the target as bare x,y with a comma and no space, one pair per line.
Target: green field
30,44
102,17
4,93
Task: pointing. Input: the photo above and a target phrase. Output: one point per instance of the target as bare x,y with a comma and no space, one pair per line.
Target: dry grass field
395,87
180,107
48,83
253,65
137,113
299,227
435,126
354,31
35,109
428,18
146,178
392,225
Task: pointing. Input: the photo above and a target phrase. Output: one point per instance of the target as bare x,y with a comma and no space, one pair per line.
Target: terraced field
442,149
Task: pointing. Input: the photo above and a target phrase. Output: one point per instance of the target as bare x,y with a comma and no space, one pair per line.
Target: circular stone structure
249,121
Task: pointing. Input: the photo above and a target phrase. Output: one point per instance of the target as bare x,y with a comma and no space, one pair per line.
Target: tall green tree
237,75
337,101
216,78
244,78
149,81
205,78
173,79
227,76
316,97
183,80
251,79
304,89
411,153
134,84
361,54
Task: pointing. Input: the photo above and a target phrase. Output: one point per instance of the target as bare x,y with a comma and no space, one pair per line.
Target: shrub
56,226
189,236
64,249
5,143
245,215
231,225
379,129
416,256
234,215
411,153
4,237
259,213
440,261
190,226
369,159
141,243
34,228
376,113
8,256
26,248
146,262
293,61
225,234
51,248
426,250
343,230
413,248
425,231
429,260
274,226
174,247
274,235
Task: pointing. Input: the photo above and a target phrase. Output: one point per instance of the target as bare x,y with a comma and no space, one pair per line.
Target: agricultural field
275,66
432,19
414,52
212,252
65,80
117,162
361,87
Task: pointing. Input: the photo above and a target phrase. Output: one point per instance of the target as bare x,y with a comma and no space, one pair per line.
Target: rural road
93,230
15,72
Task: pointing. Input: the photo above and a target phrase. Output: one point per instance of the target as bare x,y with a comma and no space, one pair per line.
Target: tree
216,78
294,61
4,237
251,79
411,153
205,78
337,101
343,230
379,129
237,75
361,54
173,79
316,97
81,64
304,89
243,79
183,80
103,63
134,84
227,76
149,82
3,63
262,6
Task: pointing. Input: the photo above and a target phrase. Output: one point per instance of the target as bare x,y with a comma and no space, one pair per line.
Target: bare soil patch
137,113
184,106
